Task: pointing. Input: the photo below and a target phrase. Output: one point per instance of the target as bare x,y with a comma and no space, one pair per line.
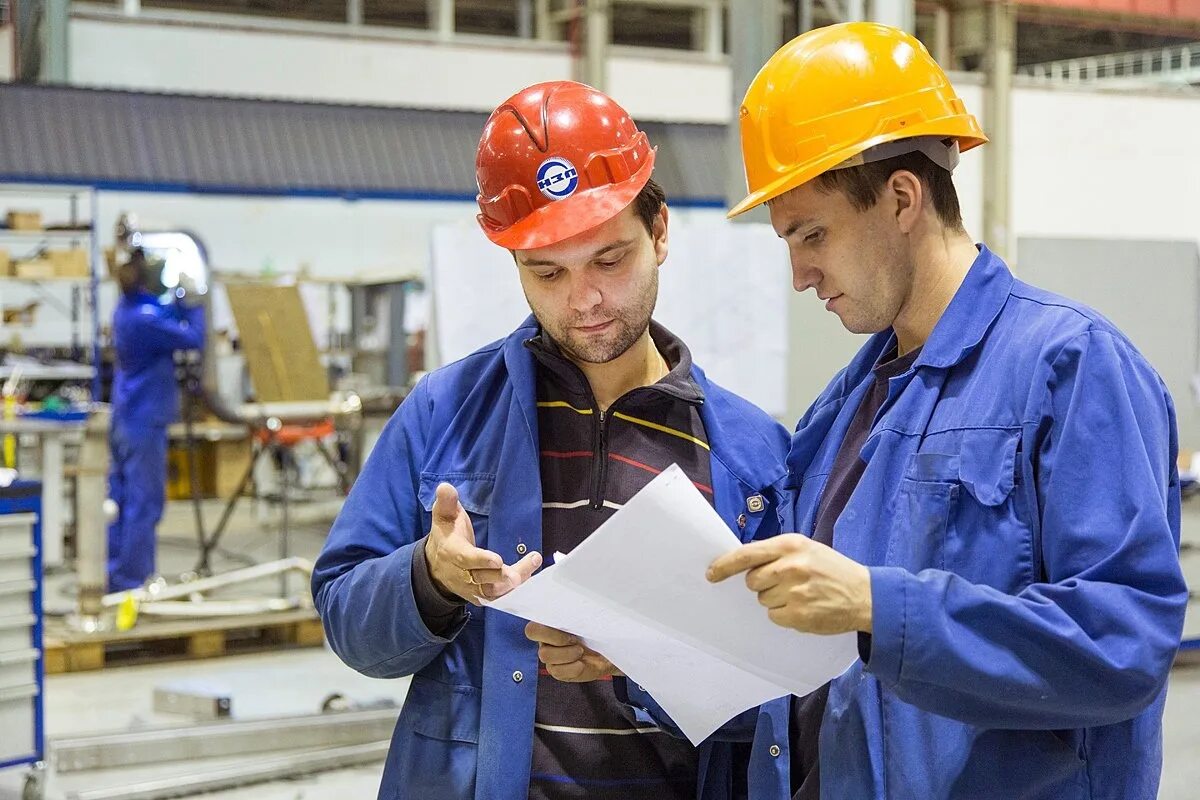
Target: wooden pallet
173,640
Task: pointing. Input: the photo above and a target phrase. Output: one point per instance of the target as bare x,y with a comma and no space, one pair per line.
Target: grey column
755,29
997,179
596,37
56,62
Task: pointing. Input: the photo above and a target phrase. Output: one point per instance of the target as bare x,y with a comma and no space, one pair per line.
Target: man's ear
659,234
907,195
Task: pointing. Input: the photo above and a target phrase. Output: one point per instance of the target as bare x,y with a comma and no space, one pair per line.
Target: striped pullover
587,743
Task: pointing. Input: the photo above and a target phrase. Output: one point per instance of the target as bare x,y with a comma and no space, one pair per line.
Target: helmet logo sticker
557,178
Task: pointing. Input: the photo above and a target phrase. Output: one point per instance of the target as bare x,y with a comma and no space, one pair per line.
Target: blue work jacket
146,334
466,729
1019,513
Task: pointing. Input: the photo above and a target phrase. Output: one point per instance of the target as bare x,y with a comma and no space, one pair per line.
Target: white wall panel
340,68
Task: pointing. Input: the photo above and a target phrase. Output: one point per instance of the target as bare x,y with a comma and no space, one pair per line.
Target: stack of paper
635,591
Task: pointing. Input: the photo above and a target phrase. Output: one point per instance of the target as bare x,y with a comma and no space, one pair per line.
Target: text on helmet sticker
557,178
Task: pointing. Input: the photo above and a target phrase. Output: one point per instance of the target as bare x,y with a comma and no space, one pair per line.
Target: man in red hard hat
527,446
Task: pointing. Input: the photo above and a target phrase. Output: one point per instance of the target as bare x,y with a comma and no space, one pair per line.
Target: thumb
445,504
525,568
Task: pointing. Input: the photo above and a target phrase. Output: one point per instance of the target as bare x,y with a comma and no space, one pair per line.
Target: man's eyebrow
610,247
797,225
537,262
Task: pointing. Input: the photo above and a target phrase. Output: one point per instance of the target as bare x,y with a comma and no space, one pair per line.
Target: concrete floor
296,681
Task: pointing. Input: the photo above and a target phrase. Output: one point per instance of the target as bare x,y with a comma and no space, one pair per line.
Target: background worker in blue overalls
990,485
145,400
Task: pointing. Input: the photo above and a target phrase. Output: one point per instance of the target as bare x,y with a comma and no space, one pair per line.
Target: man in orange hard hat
989,485
527,446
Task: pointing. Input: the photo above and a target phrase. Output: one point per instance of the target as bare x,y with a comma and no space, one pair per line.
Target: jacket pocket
958,511
434,750
475,491
921,519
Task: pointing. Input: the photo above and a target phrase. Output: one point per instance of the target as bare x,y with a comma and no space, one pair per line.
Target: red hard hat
555,160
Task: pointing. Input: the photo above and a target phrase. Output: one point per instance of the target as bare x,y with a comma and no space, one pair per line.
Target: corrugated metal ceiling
126,140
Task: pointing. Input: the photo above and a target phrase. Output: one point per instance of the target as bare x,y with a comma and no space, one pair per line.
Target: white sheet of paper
635,591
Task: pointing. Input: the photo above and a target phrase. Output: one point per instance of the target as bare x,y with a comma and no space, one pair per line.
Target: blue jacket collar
735,441
522,372
974,308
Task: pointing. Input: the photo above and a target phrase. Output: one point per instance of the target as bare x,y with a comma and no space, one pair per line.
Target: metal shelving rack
82,232
22,665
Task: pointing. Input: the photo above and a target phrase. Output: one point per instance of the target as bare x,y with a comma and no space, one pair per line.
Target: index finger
748,556
544,634
469,557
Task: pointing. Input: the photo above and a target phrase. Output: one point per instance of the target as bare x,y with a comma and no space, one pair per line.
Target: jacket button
774,751
518,677
521,548
741,520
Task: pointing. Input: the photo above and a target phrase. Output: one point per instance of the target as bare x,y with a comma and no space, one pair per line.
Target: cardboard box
6,265
277,343
220,466
25,220
72,263
37,269
21,315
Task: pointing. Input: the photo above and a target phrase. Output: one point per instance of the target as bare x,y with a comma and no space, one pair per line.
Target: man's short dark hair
862,185
648,203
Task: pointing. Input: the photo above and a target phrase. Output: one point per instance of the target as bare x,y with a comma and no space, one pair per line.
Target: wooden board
155,640
278,344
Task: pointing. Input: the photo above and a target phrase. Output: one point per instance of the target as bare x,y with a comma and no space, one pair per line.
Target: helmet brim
577,214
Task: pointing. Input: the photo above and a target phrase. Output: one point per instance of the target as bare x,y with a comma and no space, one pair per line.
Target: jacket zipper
599,462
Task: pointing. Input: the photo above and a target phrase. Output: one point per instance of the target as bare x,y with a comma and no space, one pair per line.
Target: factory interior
295,189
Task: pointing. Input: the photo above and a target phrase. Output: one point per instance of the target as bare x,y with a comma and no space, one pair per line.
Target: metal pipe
209,780
56,42
219,739
997,212
209,609
525,19
596,38
542,21
755,29
441,17
181,590
300,411
941,36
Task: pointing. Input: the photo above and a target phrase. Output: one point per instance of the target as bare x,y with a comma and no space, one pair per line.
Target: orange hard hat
555,160
829,96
